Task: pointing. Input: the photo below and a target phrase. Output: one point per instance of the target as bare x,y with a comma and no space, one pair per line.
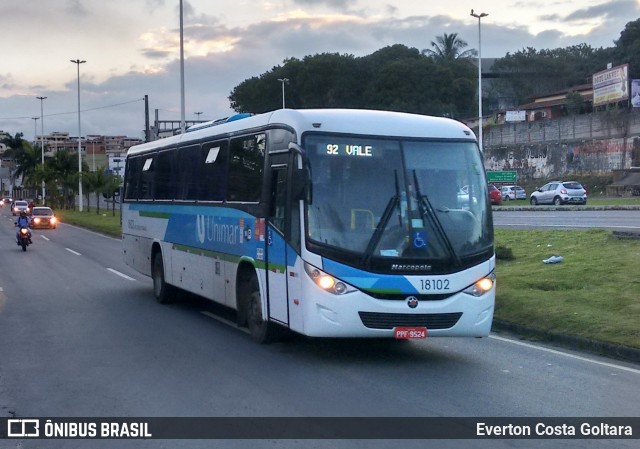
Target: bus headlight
326,281
481,286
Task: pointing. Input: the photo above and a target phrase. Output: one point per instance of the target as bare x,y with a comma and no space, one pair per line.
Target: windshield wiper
394,202
426,208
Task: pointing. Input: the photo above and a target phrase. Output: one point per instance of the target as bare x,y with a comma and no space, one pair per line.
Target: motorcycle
24,238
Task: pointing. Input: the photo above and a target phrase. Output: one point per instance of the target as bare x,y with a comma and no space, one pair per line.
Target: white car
513,193
20,206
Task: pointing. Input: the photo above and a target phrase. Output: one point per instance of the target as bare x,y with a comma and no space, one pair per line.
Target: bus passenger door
277,278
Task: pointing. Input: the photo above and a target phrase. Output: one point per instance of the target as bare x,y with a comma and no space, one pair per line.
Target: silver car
558,193
513,193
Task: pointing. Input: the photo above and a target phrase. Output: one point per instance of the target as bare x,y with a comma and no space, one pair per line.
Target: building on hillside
97,150
555,104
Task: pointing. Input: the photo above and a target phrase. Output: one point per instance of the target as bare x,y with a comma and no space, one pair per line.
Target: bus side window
132,178
164,179
213,161
188,173
246,168
147,177
279,200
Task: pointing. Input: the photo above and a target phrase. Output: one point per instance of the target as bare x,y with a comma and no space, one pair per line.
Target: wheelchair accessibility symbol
419,239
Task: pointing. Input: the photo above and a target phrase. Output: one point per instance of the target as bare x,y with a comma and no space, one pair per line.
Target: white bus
327,222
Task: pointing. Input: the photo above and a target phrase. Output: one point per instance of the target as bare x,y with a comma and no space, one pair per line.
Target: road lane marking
122,275
45,237
566,226
566,354
73,252
222,320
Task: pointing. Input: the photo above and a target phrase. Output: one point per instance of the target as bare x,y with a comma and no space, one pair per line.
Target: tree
65,167
111,186
13,144
395,78
575,103
627,48
449,47
530,72
27,159
97,182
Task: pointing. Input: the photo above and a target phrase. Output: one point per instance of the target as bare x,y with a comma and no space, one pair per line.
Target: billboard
635,93
516,116
611,85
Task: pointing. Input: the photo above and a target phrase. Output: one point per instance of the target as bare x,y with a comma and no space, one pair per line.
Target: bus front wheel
161,290
261,330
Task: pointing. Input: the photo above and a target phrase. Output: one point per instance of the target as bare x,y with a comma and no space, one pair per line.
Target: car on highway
19,206
495,195
43,217
558,193
5,201
513,193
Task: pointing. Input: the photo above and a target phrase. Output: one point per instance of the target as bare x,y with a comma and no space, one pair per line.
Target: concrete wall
596,143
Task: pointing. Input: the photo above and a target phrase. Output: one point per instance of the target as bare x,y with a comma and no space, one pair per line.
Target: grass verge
104,222
594,293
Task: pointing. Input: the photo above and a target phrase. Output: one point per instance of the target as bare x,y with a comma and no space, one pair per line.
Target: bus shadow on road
340,350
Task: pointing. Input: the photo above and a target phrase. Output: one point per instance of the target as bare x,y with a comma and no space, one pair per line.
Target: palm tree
90,185
27,159
449,47
112,184
65,166
97,182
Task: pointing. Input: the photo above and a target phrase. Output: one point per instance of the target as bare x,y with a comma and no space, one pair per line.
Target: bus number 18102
434,284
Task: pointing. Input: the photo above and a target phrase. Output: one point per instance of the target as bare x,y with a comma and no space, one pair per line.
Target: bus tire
262,331
163,292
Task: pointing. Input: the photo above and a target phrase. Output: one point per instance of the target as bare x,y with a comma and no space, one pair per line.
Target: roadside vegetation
593,293
107,222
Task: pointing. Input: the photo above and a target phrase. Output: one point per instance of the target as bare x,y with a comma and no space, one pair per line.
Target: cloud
608,10
142,58
76,8
341,4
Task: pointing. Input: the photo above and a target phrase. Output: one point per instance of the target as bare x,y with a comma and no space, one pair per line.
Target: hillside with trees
441,80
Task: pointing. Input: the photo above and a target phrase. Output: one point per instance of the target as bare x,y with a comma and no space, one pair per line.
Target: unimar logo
212,230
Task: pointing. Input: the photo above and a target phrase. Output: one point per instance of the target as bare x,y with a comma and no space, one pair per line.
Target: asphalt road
80,335
613,220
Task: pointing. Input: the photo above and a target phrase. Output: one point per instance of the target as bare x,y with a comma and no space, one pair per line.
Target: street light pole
42,141
78,62
283,80
198,114
35,128
479,17
183,125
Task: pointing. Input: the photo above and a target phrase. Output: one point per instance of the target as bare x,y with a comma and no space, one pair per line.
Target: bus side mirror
299,183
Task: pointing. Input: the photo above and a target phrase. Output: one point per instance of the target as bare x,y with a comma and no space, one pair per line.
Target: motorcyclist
22,222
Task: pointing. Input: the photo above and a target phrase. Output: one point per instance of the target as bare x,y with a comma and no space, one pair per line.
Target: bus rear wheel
161,290
261,330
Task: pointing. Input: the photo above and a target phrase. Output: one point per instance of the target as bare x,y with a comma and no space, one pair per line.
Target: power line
75,112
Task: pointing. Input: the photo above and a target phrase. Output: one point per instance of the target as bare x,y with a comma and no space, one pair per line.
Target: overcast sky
131,48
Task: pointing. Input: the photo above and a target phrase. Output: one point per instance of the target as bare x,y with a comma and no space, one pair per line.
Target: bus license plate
405,333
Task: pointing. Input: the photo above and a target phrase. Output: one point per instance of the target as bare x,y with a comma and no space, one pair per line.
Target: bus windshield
376,200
